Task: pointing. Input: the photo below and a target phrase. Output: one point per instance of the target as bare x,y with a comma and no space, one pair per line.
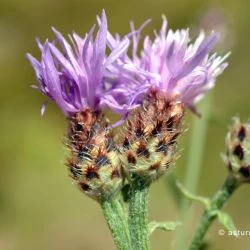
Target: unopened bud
238,150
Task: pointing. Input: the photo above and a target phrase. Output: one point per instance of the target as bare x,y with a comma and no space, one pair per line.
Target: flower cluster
151,88
83,75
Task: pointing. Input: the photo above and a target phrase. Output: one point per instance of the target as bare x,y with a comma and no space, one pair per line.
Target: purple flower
75,77
170,64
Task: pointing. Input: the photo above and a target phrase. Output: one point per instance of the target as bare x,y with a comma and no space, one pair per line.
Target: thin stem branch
220,198
118,224
138,215
196,148
193,166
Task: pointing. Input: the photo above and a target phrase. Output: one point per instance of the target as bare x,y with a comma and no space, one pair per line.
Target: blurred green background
39,207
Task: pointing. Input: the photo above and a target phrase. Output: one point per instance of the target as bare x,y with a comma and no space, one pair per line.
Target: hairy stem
118,224
219,199
138,215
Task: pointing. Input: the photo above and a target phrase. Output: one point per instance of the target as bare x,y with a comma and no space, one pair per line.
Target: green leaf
166,226
226,220
204,200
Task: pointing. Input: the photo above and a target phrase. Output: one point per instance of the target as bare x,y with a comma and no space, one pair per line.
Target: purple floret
74,76
168,63
80,74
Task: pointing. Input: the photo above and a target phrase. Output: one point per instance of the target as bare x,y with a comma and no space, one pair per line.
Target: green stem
117,222
193,166
219,199
196,148
138,215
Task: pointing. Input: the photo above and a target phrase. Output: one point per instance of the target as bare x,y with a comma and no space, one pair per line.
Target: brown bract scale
93,160
149,143
237,157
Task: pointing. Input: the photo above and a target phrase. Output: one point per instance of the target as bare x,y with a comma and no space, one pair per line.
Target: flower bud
93,161
149,143
237,156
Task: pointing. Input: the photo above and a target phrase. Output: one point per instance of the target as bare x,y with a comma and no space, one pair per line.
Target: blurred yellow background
39,207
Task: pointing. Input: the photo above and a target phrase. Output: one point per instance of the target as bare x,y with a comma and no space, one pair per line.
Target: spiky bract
93,161
149,143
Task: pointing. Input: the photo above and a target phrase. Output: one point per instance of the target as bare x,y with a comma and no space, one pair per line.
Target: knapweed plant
151,90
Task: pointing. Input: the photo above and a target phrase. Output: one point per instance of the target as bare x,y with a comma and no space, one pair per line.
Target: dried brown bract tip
149,145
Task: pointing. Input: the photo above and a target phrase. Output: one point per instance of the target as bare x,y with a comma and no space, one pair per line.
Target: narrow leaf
205,201
166,226
226,220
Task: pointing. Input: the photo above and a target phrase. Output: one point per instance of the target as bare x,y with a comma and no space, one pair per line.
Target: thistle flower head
73,76
76,77
171,64
170,74
237,157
